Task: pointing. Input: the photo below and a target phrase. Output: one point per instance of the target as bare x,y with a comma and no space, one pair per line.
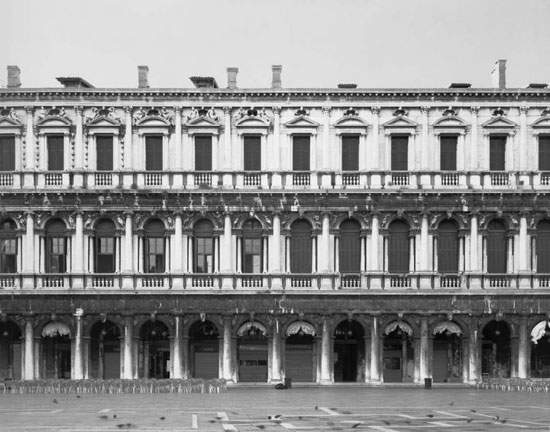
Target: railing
6,179
544,281
350,179
152,281
103,179
252,180
400,179
545,179
500,178
301,179
400,281
53,179
205,281
153,179
499,281
252,281
53,281
449,179
103,282
8,281
300,281
350,281
450,281
203,179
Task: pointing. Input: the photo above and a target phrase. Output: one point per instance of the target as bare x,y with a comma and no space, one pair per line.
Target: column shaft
128,352
424,349
28,371
523,349
276,375
227,354
374,351
78,366
326,370
177,358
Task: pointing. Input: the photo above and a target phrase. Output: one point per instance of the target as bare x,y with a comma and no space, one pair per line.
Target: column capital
177,109
276,109
78,109
128,109
326,109
226,110
29,109
424,109
474,110
78,313
375,109
523,109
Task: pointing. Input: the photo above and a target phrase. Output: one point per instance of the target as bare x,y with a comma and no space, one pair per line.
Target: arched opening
349,254
154,247
497,249
56,246
203,258
155,350
10,351
56,351
252,352
349,352
540,350
105,251
204,348
398,353
8,246
300,247
300,355
447,352
447,247
104,350
543,247
496,351
398,247
252,250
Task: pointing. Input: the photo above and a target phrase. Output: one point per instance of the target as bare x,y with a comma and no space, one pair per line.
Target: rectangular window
104,152
154,255
300,152
350,152
8,255
448,152
7,153
497,151
399,152
204,257
56,252
105,256
55,153
252,255
203,153
252,152
544,152
153,153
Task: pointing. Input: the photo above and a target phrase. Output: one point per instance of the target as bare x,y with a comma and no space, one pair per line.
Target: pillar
477,163
326,357
177,355
177,163
78,141
526,162
473,353
28,369
276,353
78,252
375,351
426,153
373,155
424,349
275,164
523,349
128,351
275,252
226,266
127,162
373,261
227,352
78,364
127,267
28,266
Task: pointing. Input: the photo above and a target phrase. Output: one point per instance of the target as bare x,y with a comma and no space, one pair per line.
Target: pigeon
260,426
316,408
387,423
497,418
78,396
451,403
430,415
114,415
162,418
103,417
54,401
355,425
473,410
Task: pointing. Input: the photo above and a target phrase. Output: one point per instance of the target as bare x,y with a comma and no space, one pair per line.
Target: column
127,163
127,267
177,355
524,149
275,252
28,250
78,367
327,160
424,349
475,264
275,149
128,352
374,351
78,252
426,154
523,348
424,254
326,357
29,162
28,369
477,151
227,353
176,253
78,179
177,164
226,253
324,252
373,253
373,155
524,253
276,375
474,348
227,149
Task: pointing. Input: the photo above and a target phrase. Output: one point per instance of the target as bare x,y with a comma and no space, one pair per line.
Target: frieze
157,116
9,118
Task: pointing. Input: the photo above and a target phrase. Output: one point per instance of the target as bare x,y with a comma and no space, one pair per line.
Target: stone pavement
242,409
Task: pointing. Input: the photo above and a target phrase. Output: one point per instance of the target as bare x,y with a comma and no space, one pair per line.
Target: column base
326,382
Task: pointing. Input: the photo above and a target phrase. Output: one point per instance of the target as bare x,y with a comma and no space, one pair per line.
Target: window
399,152
496,247
104,152
252,153
398,247
497,151
8,247
448,152
544,152
350,247
153,153
154,247
300,152
350,152
56,247
300,247
55,152
7,153
204,247
252,247
543,247
105,247
447,247
203,153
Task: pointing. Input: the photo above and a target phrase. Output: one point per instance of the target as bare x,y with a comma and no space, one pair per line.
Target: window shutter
350,152
7,153
350,247
203,153
496,248
104,153
55,152
300,153
153,153
497,153
544,152
399,152
447,248
300,247
252,153
398,253
448,152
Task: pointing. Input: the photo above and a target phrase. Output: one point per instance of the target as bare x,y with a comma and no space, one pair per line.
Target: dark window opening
252,247
399,152
104,152
398,253
497,155
55,152
300,152
8,247
204,247
203,153
153,153
252,153
544,152
350,152
350,247
7,153
447,247
448,152
300,247
154,247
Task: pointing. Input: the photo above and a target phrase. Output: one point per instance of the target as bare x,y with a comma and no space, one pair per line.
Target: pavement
242,409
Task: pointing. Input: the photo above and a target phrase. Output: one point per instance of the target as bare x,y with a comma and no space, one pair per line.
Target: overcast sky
374,43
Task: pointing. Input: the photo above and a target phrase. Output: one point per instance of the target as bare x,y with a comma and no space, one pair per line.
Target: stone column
127,257
177,163
78,253
28,266
375,351
126,159
474,353
226,253
374,152
78,366
475,263
424,253
525,158
227,149
524,253
28,369
177,357
29,161
128,351
276,363
78,179
426,154
327,163
227,353
275,149
177,252
326,357
424,349
523,349
275,252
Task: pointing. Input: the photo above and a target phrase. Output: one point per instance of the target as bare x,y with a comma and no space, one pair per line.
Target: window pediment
103,118
53,118
542,124
499,122
252,118
400,121
153,117
9,119
452,121
302,121
352,122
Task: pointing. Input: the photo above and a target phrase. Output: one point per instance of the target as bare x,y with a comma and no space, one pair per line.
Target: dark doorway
398,357
104,350
252,353
10,351
496,352
540,353
155,350
204,347
56,351
300,354
496,247
349,352
447,357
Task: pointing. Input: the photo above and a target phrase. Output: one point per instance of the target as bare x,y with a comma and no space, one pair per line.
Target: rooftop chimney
204,82
14,77
276,81
143,76
498,74
232,77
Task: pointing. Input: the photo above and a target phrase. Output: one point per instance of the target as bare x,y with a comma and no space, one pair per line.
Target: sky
319,43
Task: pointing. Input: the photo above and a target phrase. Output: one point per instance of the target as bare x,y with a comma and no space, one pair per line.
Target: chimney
498,74
276,81
14,77
143,76
232,77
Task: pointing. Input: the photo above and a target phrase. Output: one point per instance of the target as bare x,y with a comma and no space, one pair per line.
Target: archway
398,353
204,348
496,351
104,350
447,352
349,352
10,351
300,352
252,352
56,351
155,350
540,350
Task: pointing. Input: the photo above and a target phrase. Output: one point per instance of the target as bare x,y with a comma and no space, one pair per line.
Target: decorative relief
54,116
252,113
197,113
9,117
103,115
159,115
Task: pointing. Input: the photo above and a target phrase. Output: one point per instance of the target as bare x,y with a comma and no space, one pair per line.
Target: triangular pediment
103,122
9,122
252,121
542,122
302,121
450,122
351,122
202,121
152,121
54,121
499,122
400,122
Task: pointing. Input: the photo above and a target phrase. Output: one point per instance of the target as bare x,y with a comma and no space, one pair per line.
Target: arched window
203,234
349,253
56,247
252,247
543,247
398,247
154,247
8,247
496,247
447,247
105,247
300,247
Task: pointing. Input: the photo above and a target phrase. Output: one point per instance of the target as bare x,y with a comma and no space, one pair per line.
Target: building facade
326,235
